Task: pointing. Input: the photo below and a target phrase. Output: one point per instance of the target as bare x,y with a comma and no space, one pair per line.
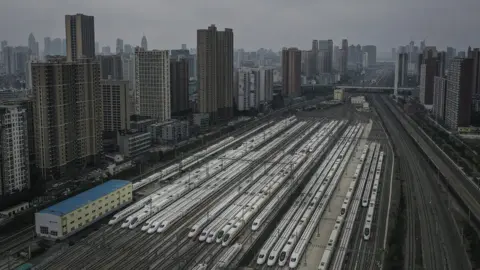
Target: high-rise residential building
459,93
312,61
469,52
451,53
215,72
80,32
47,50
428,71
253,87
184,47
245,88
128,67
291,72
265,85
439,95
475,55
344,57
14,168
359,54
111,67
325,56
106,50
179,85
401,71
462,54
119,47
144,43
152,84
68,116
116,105
33,46
372,53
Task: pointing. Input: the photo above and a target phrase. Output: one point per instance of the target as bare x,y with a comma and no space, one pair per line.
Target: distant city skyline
357,22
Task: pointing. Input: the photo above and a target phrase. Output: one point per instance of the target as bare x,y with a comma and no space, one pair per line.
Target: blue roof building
82,199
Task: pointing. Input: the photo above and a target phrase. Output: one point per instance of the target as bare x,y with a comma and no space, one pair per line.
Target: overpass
364,88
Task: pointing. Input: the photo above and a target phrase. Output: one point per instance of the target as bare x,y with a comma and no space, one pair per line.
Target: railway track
195,253
410,242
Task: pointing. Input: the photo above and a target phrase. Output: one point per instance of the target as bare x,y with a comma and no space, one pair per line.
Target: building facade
170,132
372,53
459,93
215,72
291,72
14,151
80,32
152,84
116,105
68,116
132,143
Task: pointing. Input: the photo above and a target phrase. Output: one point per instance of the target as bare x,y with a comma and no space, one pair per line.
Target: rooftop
79,200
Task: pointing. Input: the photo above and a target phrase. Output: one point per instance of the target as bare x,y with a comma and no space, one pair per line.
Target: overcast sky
256,23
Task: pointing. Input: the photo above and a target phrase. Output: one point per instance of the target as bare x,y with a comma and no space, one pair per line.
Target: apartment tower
215,72
80,32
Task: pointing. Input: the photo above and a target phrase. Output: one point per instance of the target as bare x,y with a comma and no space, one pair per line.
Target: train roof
79,200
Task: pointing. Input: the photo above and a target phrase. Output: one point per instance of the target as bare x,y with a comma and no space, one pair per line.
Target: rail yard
294,192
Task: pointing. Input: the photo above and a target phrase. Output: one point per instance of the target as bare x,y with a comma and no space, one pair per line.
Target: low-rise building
169,132
201,120
76,213
141,123
133,142
338,94
358,100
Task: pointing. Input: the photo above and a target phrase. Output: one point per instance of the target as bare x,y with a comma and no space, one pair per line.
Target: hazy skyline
266,23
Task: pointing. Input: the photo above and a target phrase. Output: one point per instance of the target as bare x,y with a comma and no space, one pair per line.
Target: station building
76,213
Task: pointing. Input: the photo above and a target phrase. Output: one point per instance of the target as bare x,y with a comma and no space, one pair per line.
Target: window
43,230
54,233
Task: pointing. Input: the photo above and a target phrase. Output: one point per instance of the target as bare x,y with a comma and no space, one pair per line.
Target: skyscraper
312,61
80,32
439,95
119,47
344,57
110,67
127,48
14,169
144,43
179,85
325,56
68,116
291,72
401,70
152,84
106,50
215,72
459,93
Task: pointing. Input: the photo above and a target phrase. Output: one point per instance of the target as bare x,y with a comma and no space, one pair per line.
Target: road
440,244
